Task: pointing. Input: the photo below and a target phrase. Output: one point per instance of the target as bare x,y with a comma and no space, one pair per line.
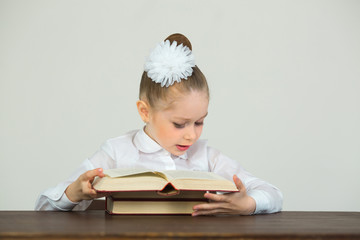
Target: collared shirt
137,149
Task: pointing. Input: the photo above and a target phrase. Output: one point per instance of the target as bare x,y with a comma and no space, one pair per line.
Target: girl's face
179,126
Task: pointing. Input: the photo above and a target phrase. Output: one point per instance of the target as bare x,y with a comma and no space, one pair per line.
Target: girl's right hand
82,188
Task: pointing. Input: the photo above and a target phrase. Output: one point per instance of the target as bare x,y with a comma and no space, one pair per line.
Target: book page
187,174
137,182
122,172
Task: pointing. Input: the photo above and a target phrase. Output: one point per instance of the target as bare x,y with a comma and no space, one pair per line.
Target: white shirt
137,149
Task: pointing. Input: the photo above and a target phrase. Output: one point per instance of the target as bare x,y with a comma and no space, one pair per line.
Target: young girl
173,103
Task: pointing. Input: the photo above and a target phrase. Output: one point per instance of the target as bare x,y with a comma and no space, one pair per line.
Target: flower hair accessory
168,64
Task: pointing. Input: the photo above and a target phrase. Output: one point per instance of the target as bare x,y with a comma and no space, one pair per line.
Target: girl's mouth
183,147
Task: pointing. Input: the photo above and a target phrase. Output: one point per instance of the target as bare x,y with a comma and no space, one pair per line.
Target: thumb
90,175
239,185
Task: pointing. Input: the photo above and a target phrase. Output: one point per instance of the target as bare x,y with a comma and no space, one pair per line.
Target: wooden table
100,225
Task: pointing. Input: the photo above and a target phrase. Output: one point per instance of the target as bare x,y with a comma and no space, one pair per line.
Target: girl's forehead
192,96
189,105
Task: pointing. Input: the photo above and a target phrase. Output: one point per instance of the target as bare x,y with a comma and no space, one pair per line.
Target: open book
141,179
143,191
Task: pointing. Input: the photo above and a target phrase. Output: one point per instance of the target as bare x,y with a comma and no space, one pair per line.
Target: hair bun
180,39
171,61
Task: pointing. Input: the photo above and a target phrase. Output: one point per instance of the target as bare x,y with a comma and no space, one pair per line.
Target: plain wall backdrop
284,79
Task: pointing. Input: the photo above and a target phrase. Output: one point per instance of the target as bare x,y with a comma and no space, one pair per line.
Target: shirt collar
183,157
146,144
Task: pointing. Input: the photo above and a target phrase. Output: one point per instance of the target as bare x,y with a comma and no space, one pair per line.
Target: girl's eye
199,123
179,125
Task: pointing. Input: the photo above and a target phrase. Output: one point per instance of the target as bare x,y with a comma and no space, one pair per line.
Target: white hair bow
168,64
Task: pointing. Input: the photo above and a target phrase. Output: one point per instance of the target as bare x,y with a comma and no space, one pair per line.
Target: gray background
284,79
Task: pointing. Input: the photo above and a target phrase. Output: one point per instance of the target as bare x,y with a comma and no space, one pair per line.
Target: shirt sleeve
55,199
268,198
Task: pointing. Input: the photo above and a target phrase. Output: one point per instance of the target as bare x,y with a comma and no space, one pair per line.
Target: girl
173,103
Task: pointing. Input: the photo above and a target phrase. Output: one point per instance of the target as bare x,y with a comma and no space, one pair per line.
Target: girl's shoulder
121,144
125,138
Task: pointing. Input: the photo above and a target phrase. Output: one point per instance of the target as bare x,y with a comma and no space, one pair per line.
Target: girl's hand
82,189
232,203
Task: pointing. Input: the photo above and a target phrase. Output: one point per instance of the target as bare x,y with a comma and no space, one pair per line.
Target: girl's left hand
238,203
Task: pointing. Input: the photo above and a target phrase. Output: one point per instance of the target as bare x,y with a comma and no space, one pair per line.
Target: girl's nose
190,133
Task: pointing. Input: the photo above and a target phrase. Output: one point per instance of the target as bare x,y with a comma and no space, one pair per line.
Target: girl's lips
183,147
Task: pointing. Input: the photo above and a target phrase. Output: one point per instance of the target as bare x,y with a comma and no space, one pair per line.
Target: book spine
107,205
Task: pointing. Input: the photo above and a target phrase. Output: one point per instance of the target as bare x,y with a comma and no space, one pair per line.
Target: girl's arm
76,192
267,198
55,199
82,188
239,203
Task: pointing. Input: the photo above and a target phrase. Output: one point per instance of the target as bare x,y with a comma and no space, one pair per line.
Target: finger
101,172
92,193
88,193
215,197
210,212
87,188
102,194
90,175
209,206
239,185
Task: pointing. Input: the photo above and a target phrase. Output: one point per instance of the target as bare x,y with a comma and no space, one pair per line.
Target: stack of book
143,191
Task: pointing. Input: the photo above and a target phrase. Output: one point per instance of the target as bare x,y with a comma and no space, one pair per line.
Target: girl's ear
144,110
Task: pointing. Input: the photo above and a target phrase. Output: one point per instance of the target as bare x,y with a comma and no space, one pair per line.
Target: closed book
152,202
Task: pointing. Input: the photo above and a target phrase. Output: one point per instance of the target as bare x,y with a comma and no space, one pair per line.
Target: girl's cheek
164,131
199,132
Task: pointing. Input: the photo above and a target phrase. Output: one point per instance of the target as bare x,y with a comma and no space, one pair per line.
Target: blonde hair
153,93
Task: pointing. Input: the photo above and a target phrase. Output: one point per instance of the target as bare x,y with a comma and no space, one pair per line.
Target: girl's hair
153,93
